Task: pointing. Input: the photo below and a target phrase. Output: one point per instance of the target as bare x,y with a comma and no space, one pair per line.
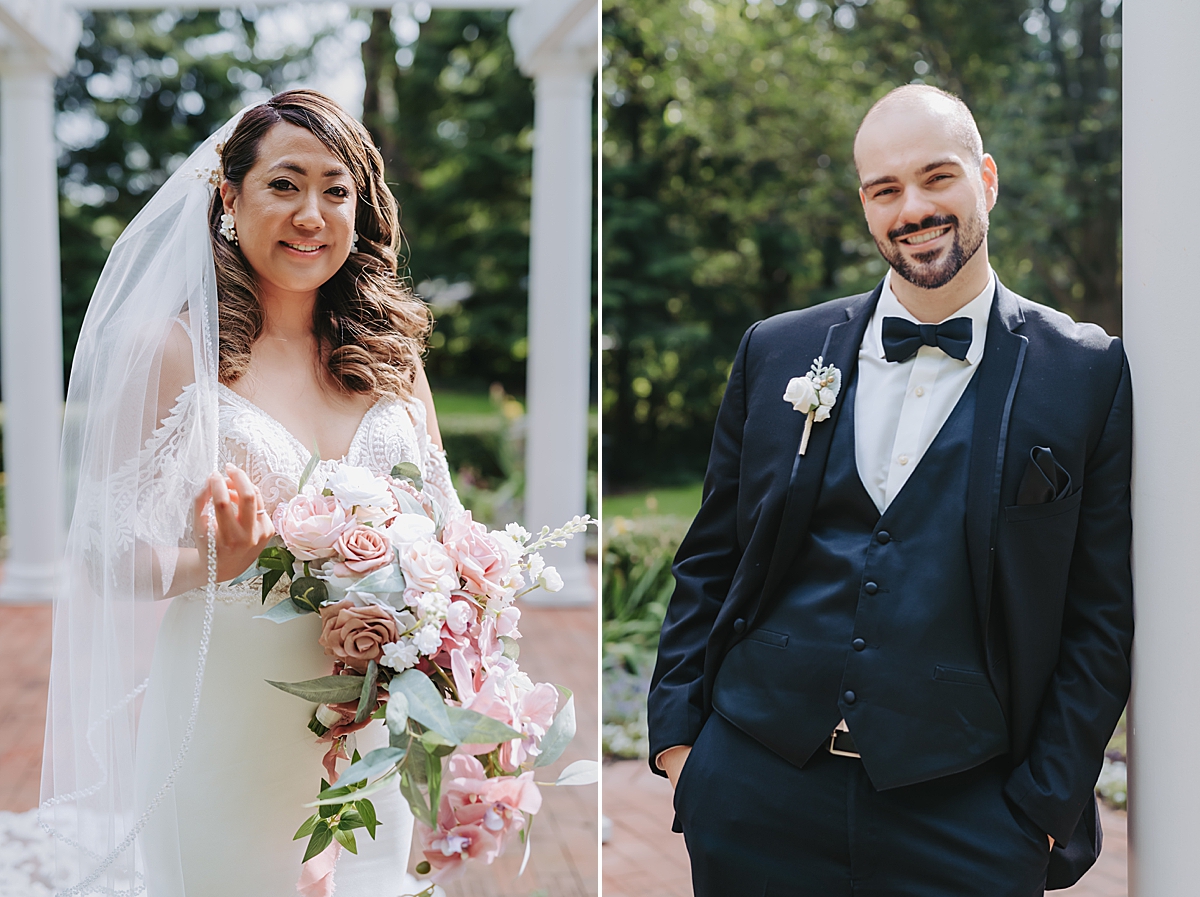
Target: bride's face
294,213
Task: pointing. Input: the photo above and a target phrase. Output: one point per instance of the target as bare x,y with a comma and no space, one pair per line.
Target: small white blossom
400,655
428,639
550,580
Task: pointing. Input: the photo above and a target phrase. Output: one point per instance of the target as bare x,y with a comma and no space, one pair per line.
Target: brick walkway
643,858
559,645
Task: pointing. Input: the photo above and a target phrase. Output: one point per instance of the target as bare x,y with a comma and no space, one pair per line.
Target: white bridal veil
139,439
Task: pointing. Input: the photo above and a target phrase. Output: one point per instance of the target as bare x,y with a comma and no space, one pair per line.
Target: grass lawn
680,501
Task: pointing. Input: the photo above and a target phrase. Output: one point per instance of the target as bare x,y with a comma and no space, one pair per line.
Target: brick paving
644,858
559,645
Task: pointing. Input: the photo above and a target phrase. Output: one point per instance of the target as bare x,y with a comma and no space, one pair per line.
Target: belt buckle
833,749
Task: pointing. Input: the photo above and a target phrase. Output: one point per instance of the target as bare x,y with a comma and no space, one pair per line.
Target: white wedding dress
226,827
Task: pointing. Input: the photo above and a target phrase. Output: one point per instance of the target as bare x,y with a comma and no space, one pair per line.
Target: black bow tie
902,338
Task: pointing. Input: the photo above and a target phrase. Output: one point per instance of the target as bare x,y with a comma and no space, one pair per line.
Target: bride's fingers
247,495
227,520
201,525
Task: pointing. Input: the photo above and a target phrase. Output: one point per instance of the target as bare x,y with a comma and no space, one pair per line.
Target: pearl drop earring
354,241
229,229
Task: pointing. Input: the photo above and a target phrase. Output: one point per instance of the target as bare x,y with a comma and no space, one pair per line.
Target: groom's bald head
922,100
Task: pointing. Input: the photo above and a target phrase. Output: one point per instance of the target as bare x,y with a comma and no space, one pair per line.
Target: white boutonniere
814,394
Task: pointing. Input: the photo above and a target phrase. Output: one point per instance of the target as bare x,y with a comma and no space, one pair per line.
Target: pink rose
356,635
460,615
311,524
485,561
428,567
364,549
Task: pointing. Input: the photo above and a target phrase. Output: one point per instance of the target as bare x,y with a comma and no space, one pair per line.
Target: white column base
28,583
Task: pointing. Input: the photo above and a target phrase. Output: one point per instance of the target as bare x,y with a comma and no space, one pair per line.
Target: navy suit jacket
1052,582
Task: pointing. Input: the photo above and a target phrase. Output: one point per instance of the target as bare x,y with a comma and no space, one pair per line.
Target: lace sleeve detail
435,469
148,500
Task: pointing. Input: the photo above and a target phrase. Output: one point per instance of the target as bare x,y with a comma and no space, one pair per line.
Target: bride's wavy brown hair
370,327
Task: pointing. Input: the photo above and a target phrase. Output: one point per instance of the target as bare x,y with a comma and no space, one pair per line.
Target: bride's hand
243,525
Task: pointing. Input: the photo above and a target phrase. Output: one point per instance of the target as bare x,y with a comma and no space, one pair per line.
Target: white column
1162,320
30,326
559,312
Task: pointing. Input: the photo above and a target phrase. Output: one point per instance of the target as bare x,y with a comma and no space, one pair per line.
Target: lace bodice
392,431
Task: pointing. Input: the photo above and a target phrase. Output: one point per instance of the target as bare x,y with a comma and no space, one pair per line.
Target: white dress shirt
901,406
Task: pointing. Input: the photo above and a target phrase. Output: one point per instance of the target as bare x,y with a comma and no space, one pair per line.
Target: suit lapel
999,372
841,350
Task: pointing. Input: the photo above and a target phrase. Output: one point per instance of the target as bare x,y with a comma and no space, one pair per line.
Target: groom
893,658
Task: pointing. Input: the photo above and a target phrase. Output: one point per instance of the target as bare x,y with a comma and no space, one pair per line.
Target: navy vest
875,623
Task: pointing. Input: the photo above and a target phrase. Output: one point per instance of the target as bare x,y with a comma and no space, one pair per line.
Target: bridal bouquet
418,616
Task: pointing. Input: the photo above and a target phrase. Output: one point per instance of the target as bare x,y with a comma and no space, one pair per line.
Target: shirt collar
978,310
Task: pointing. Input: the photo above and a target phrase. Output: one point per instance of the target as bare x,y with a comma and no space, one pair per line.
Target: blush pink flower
364,549
486,562
476,815
311,524
428,568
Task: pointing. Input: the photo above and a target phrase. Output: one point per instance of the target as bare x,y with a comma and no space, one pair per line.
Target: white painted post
1161,323
31,331
559,305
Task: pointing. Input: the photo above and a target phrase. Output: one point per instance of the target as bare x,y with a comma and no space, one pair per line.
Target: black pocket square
1045,480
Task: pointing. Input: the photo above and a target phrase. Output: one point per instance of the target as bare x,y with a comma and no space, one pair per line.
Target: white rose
802,394
358,486
822,413
828,396
409,528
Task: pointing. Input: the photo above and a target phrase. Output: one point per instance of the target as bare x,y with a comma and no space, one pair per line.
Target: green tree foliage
730,192
453,116
145,90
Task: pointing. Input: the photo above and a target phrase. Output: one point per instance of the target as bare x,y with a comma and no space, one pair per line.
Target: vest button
739,625
850,697
858,644
883,537
870,588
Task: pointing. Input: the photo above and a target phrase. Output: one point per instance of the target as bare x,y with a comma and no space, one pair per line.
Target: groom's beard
936,268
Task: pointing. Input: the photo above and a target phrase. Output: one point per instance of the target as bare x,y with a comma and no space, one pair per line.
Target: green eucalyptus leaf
512,648
308,592
257,570
560,733
345,837
433,782
366,698
425,703
326,690
313,461
416,800
409,471
359,793
581,772
366,810
321,838
383,581
285,610
376,763
268,582
472,727
306,828
397,712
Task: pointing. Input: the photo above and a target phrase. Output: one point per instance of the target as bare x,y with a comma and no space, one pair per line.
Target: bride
249,316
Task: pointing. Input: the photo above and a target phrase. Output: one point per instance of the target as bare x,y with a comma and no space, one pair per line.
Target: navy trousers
758,826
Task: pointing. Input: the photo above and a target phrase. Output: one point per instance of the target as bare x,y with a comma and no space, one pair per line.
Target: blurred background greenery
730,194
442,96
